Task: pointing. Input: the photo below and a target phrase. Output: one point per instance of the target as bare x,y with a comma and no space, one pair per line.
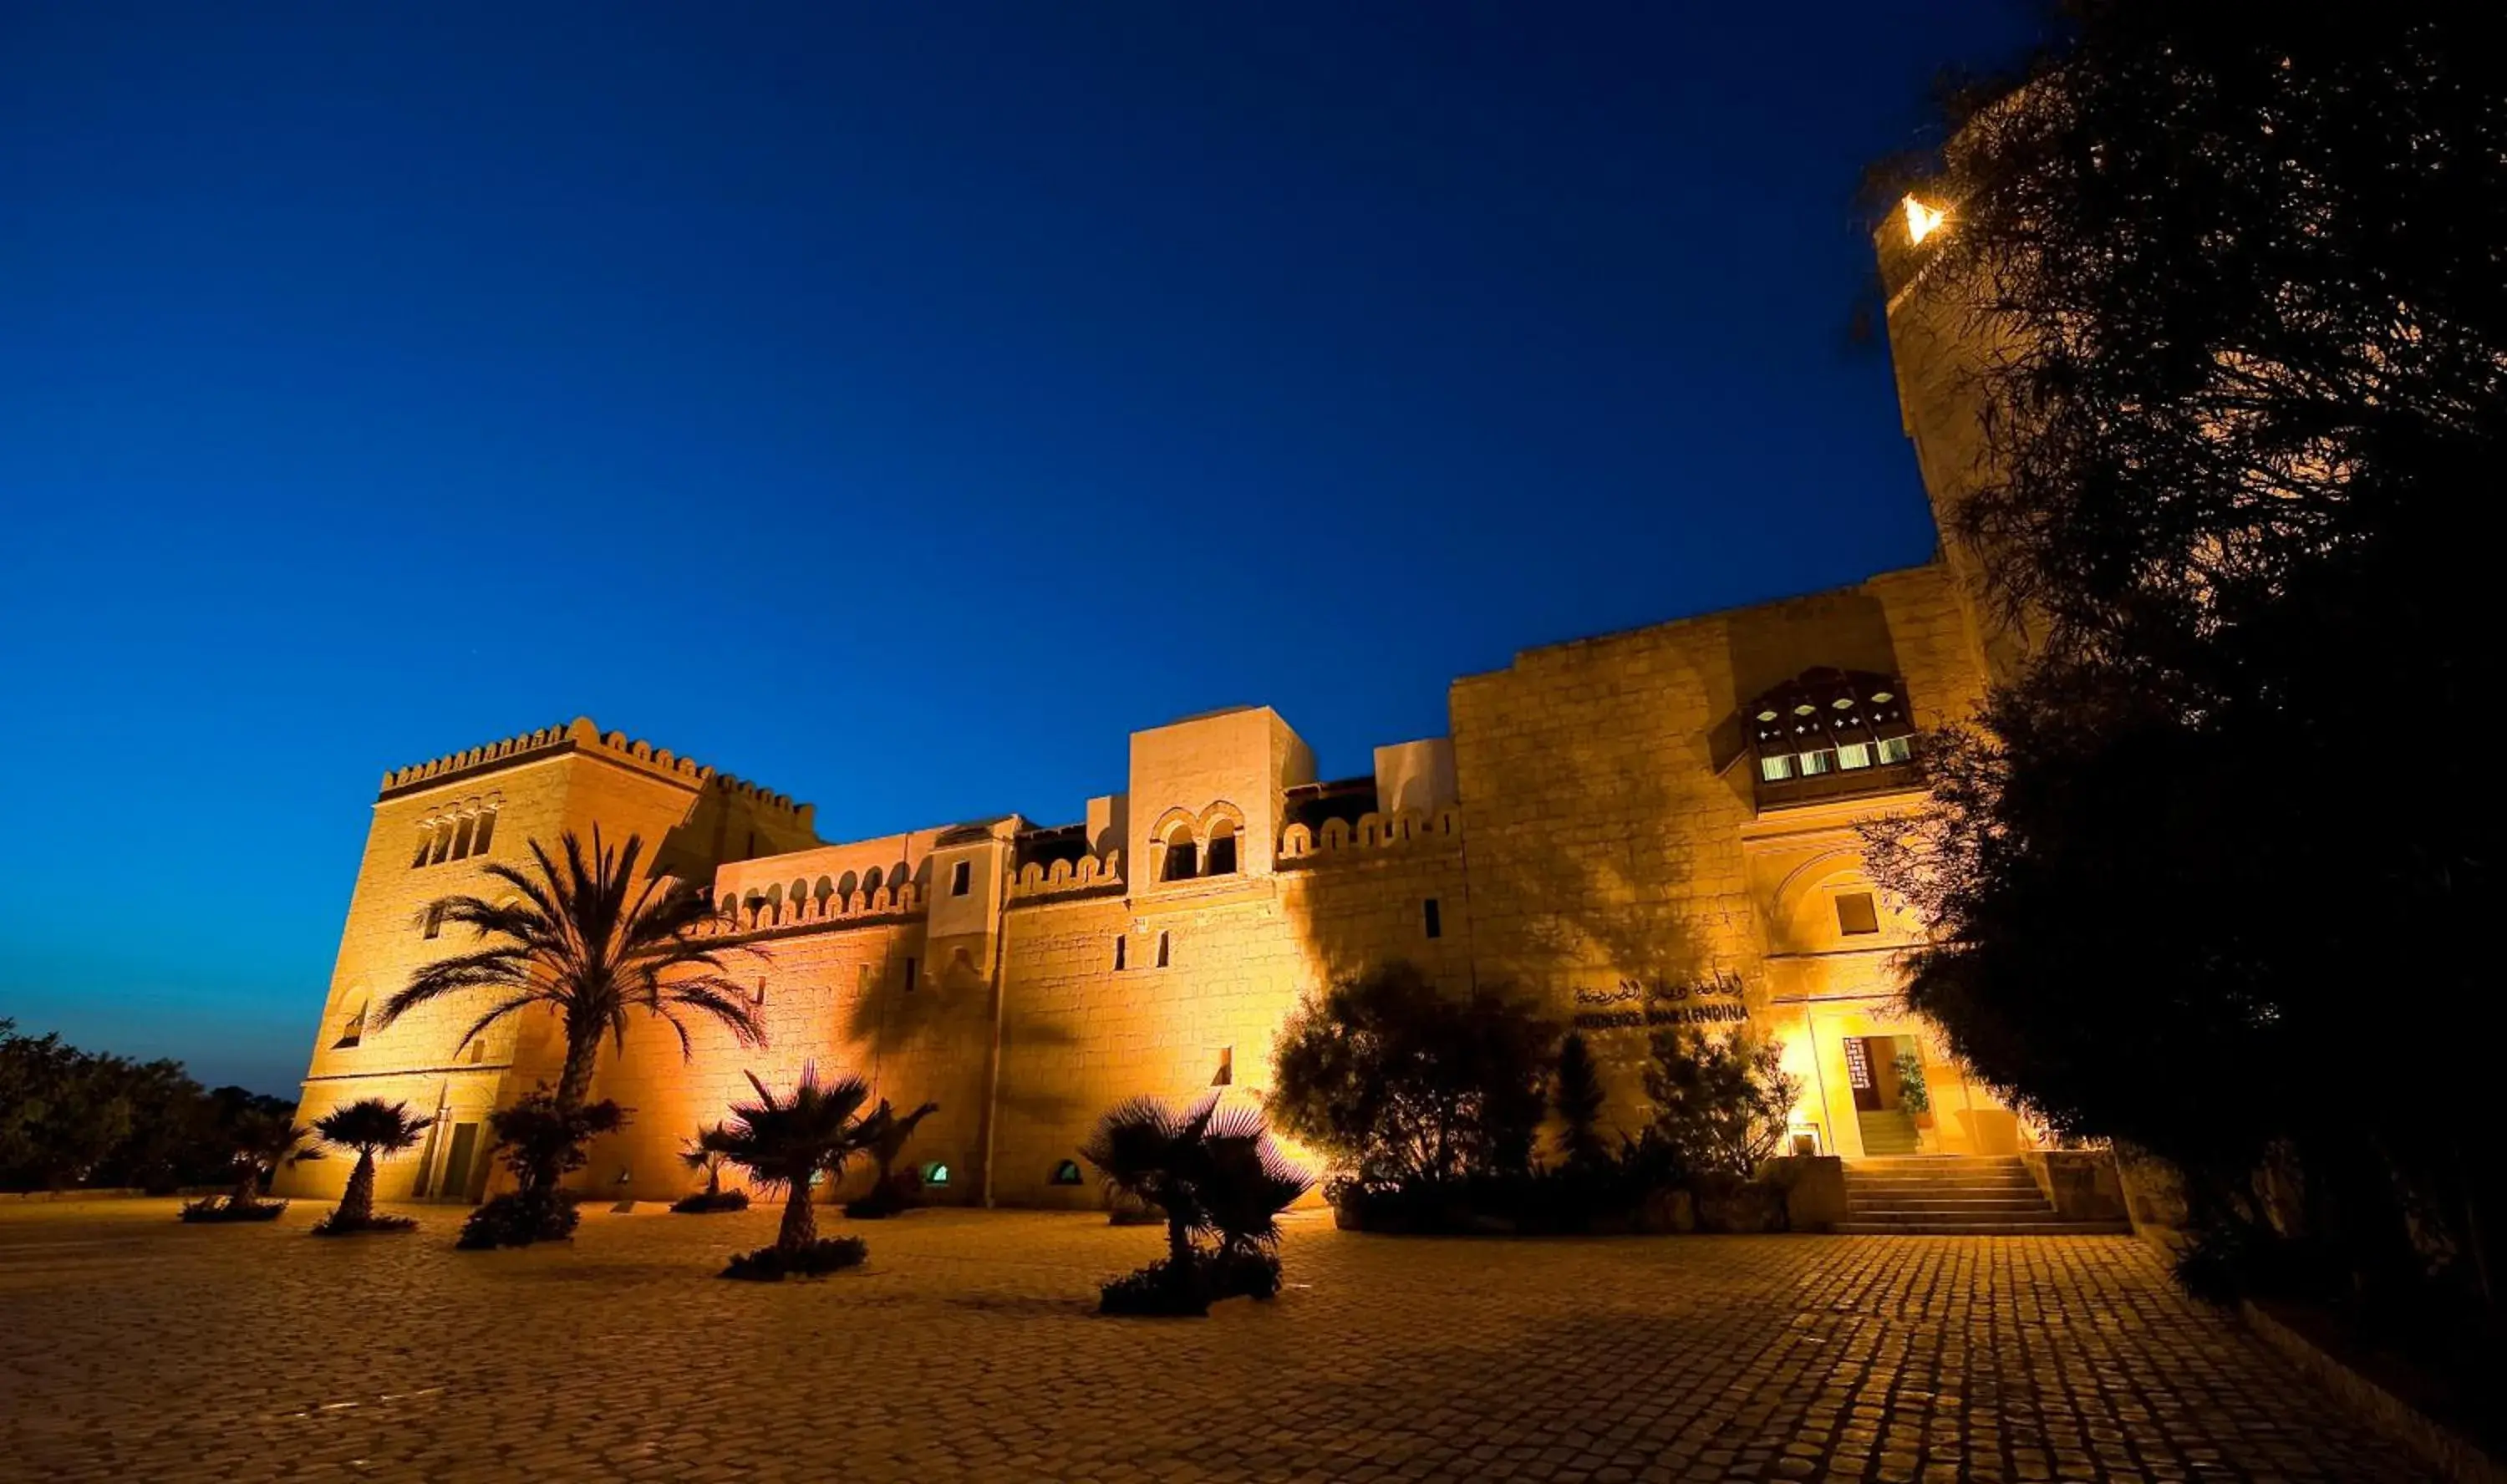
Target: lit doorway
1893,1104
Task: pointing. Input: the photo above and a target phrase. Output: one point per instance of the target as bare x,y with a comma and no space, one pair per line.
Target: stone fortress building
1639,829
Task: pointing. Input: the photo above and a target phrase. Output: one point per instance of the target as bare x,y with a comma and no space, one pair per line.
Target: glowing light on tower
1922,221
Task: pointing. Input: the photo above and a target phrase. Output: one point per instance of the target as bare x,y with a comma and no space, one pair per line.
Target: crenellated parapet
1037,881
582,735
764,914
1302,846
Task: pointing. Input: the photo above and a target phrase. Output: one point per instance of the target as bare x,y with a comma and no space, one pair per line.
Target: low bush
889,1197
520,1219
222,1208
334,1224
1161,1290
773,1265
707,1202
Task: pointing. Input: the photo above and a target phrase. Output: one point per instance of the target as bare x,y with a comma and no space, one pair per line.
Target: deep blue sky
894,404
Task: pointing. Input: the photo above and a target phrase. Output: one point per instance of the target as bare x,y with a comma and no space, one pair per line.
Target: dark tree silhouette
2237,277
1400,1082
1576,1092
792,1140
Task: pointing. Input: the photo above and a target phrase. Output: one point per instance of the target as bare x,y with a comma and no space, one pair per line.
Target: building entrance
1893,1106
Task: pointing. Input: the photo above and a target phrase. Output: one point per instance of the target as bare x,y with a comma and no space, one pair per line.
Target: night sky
893,404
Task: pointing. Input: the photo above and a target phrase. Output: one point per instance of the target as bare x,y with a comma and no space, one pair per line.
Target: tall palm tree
591,940
370,1126
787,1141
262,1143
705,1155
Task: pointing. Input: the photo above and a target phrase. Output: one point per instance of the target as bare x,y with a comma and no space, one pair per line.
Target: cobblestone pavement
132,1348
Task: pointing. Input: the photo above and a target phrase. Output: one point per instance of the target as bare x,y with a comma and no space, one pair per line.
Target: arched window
1182,860
442,844
1222,849
486,832
935,1172
1067,1172
425,842
353,1030
462,836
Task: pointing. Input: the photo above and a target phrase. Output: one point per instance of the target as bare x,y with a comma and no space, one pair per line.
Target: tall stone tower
436,826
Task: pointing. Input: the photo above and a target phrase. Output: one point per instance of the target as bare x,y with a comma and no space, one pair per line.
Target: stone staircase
1941,1195
1888,1133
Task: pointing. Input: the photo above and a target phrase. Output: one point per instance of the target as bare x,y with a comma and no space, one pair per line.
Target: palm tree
1153,1153
1209,1168
789,1141
591,941
705,1155
884,1134
261,1144
371,1127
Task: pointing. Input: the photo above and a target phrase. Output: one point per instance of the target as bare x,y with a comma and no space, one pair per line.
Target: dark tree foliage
2242,271
1719,1102
1578,1095
1400,1082
367,1128
71,1117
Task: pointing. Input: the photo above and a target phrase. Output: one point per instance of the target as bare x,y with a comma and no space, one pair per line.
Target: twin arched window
1206,847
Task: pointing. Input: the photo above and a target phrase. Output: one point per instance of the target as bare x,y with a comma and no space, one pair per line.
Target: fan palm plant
789,1140
1211,1169
884,1134
591,940
704,1155
261,1144
370,1126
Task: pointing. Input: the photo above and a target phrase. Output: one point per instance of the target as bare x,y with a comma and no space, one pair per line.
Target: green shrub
519,1219
334,1224
773,1265
1398,1082
1721,1104
709,1202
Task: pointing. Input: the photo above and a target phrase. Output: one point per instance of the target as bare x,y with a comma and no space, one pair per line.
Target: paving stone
134,1348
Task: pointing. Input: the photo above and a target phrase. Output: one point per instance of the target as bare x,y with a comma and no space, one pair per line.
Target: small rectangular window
1856,915
1227,1076
1852,756
961,876
486,832
1162,949
1120,943
1435,922
435,920
1895,749
1813,763
425,842
909,976
1777,766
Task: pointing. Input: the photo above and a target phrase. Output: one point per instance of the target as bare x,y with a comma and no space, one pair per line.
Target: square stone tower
436,827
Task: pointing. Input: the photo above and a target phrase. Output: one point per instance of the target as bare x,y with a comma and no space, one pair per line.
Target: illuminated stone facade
1640,829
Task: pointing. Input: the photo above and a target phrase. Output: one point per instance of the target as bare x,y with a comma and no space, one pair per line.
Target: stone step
1955,1228
1940,1187
1900,1162
2017,1202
